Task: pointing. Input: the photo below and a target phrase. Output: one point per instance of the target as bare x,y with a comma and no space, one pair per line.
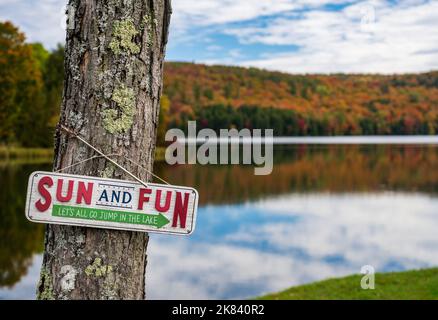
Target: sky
295,36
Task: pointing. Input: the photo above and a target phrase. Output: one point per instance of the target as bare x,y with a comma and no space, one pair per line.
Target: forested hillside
223,97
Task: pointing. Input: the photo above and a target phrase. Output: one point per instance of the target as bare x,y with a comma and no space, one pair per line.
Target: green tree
23,116
13,55
53,85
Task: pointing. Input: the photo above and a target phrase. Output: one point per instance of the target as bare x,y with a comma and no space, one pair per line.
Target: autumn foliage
30,89
340,104
220,97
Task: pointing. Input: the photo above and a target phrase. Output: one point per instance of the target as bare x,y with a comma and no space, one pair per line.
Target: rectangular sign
111,204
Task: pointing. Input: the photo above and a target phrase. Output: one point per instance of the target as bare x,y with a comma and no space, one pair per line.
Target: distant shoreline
326,140
45,155
7,152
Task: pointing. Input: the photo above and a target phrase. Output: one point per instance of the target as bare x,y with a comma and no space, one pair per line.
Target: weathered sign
111,204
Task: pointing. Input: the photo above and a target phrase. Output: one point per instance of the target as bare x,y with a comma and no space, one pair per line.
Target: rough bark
114,64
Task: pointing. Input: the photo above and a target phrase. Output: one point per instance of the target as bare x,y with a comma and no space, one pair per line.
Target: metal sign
111,204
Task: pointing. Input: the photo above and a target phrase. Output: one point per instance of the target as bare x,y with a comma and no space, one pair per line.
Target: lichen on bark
120,121
124,33
45,286
148,25
109,171
98,269
68,280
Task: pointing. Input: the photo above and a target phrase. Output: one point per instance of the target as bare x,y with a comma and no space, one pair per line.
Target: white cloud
188,13
364,37
193,14
42,21
208,12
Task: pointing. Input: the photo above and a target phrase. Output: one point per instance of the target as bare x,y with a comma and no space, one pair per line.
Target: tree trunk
113,80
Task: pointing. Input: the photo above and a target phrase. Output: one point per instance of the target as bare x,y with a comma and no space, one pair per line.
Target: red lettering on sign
84,193
166,206
69,195
45,181
180,210
142,197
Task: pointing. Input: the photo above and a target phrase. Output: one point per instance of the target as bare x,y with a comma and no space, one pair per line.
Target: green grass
409,285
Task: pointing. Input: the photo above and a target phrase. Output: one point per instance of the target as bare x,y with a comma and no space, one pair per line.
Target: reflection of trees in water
315,169
20,239
297,169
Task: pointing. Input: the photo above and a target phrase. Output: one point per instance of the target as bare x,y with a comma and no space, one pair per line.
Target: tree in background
53,85
20,83
31,81
164,120
31,129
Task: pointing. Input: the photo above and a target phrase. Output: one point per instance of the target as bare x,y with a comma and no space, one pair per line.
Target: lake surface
325,211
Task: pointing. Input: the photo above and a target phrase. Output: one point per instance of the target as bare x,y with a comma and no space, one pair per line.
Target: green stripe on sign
69,212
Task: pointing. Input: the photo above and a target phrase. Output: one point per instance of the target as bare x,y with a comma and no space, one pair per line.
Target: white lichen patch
124,33
68,279
98,269
110,287
120,121
80,239
76,119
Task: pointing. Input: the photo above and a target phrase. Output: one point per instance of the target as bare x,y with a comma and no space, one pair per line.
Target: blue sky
297,36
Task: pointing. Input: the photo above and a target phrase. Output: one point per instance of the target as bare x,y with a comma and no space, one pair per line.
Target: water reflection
325,211
305,169
254,248
19,238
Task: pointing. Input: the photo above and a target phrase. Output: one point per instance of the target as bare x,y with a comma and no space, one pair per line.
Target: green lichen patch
147,20
148,24
108,172
45,286
120,121
98,269
124,32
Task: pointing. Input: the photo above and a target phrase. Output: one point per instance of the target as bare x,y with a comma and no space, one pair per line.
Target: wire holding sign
111,204
107,157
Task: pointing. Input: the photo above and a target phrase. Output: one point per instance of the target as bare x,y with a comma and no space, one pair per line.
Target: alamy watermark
368,18
231,146
368,280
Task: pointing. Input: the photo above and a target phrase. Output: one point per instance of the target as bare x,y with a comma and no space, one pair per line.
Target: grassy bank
411,285
24,154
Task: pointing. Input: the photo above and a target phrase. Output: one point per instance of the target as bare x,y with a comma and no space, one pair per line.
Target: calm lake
325,211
